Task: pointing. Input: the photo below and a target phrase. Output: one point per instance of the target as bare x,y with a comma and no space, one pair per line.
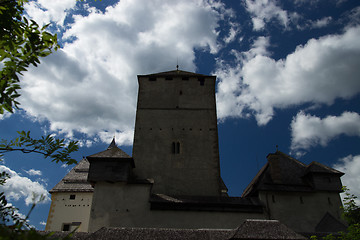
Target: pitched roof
75,180
160,234
249,229
330,224
316,167
265,229
114,152
176,73
111,152
284,173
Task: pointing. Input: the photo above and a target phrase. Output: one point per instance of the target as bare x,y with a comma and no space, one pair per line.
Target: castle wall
132,209
301,211
69,210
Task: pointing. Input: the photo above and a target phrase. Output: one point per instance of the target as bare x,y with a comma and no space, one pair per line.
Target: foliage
352,233
351,210
22,43
48,146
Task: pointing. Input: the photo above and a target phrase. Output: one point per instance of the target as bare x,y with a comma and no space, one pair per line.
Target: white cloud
319,72
350,165
90,85
44,11
5,115
308,131
263,11
18,187
321,22
42,223
64,165
33,172
234,31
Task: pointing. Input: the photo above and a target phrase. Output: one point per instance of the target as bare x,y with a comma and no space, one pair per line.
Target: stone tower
176,138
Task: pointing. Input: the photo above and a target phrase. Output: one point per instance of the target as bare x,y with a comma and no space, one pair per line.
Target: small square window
72,196
66,227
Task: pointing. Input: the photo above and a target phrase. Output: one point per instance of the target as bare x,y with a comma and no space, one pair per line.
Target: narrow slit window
173,148
202,81
177,147
72,196
168,78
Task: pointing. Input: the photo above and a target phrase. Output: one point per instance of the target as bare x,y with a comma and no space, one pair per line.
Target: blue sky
288,74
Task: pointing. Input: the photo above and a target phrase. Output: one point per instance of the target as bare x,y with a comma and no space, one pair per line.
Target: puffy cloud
351,166
33,172
319,72
264,11
18,187
90,85
43,11
308,131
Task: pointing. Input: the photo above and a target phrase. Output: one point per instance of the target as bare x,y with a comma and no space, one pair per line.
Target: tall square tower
176,138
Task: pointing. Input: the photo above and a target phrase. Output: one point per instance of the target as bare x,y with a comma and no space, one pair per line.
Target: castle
173,178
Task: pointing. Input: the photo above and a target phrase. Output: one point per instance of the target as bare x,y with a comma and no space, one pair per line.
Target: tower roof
75,180
111,152
176,73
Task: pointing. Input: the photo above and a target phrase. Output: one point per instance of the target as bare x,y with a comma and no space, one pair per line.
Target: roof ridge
291,158
175,72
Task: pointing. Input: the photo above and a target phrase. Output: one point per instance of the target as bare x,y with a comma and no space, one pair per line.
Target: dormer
323,178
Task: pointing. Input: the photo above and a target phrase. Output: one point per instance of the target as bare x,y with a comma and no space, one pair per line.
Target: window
202,81
301,200
152,79
72,196
66,227
175,147
185,78
168,78
273,198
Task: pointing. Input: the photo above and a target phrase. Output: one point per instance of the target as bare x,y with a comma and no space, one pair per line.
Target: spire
112,144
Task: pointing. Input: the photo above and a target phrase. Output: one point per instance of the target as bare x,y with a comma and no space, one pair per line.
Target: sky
288,75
